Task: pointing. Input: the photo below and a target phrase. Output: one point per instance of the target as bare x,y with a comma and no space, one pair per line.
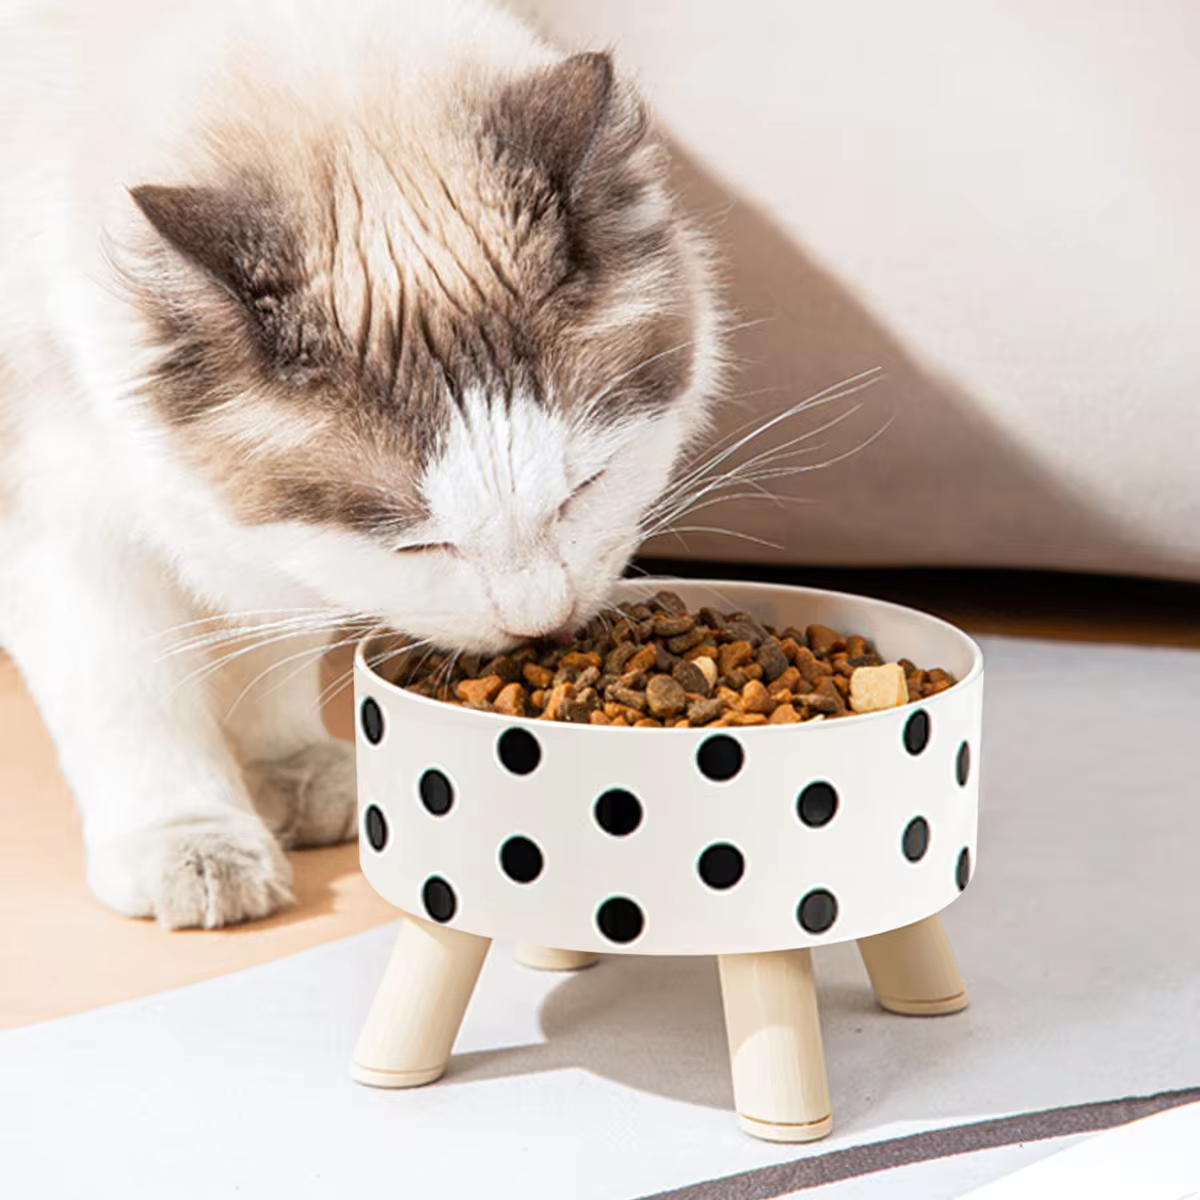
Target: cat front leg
301,779
169,829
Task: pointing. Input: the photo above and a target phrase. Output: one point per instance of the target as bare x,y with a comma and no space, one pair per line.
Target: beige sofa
999,204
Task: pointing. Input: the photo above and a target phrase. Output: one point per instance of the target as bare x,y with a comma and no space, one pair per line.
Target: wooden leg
913,970
544,958
416,1013
774,1030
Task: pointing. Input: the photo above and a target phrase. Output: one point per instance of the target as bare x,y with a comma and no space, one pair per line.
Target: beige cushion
999,204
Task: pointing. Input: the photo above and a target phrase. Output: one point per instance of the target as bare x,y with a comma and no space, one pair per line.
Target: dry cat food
656,665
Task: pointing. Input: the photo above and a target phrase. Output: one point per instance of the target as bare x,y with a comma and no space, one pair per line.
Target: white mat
1078,940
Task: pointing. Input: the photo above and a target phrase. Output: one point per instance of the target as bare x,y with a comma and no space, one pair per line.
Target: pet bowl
746,841
680,841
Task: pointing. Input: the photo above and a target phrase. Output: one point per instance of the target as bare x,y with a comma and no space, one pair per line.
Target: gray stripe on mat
768,1183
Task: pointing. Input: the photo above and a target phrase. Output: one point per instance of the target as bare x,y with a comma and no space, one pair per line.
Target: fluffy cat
310,310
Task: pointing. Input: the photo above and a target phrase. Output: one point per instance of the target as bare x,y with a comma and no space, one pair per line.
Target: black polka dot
915,841
962,764
521,860
437,792
962,873
372,721
620,919
375,823
916,732
439,899
817,804
719,758
721,866
618,812
519,751
817,911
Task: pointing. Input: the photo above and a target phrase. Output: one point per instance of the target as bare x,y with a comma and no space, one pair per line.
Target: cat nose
533,602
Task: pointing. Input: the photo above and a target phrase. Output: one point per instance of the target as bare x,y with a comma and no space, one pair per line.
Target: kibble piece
691,678
784,714
673,626
597,717
709,667
556,702
579,710
823,641
790,647
816,702
647,723
511,700
537,698
664,697
587,678
669,602
743,719
745,629
810,666
627,696
614,664
621,712
537,676
713,619
873,689
700,712
507,667
643,660
665,661
829,687
733,654
756,698
579,661
772,660
476,691
685,641
737,680
789,681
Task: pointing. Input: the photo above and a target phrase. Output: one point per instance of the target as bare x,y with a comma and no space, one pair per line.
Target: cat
311,311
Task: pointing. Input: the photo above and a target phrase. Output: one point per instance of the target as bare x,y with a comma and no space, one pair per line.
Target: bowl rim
404,695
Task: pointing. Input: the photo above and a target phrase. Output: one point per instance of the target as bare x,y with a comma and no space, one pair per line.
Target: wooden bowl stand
770,1001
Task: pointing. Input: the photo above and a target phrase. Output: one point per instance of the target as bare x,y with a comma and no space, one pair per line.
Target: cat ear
228,235
571,121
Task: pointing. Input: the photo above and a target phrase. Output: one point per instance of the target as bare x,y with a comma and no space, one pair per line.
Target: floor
1090,854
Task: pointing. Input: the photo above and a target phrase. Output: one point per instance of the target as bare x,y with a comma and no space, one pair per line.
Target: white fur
112,550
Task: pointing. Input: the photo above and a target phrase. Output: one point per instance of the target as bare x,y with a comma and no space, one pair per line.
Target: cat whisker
830,395
305,657
764,467
244,633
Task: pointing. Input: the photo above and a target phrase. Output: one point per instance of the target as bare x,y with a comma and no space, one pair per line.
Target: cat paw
199,874
308,798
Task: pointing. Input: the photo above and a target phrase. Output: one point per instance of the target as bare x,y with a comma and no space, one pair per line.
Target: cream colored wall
999,202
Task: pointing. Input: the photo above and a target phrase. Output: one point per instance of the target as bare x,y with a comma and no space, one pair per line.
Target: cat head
441,368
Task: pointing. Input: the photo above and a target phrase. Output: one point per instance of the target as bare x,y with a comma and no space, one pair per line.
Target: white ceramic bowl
826,831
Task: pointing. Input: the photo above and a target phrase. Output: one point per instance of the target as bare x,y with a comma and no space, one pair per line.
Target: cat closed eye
428,548
579,491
